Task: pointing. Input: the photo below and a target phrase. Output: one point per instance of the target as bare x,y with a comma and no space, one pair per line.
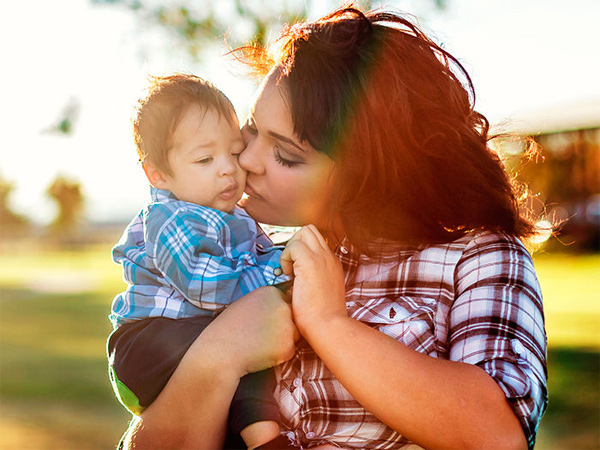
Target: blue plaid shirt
181,260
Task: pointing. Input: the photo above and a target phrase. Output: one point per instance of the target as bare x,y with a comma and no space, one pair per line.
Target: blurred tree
67,194
569,183
64,125
566,185
198,23
11,223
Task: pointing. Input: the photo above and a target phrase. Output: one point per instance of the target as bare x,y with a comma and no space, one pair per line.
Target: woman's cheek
286,195
309,199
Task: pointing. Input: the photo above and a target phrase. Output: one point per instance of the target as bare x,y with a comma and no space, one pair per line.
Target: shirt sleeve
186,249
497,323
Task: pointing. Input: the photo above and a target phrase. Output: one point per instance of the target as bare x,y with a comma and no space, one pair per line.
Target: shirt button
344,250
518,348
297,382
310,435
277,271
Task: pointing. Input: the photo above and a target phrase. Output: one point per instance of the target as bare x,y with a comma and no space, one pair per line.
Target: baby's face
204,160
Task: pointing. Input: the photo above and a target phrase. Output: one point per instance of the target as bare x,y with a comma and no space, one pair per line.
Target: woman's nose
251,158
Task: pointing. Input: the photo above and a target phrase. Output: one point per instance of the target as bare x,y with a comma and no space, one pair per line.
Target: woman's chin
258,210
242,201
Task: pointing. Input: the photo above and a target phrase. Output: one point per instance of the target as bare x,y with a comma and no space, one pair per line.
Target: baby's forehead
198,114
223,112
205,127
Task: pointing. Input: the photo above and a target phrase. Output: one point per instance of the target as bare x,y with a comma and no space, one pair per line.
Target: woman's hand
318,294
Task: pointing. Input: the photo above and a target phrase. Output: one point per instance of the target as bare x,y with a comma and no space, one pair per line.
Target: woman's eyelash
250,127
284,162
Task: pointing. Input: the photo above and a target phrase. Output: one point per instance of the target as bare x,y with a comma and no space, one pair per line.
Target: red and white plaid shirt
475,300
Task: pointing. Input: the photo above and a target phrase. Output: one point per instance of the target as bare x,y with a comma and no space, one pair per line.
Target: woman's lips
251,192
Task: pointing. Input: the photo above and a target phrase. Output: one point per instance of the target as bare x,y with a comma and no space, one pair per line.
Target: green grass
572,421
54,386
571,289
55,393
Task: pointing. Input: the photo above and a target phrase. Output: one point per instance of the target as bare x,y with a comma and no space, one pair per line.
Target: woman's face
288,181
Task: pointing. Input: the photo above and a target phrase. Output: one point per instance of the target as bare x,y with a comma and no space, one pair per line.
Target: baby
190,252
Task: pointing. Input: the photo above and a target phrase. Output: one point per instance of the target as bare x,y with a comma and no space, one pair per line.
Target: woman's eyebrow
275,135
287,140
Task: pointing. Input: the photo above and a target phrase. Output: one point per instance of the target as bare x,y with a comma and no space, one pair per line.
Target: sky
525,57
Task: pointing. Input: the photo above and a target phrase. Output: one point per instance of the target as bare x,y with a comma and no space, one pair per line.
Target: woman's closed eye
284,160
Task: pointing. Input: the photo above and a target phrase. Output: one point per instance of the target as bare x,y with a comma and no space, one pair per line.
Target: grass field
54,391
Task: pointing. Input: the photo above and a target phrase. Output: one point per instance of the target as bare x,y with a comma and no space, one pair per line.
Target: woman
418,307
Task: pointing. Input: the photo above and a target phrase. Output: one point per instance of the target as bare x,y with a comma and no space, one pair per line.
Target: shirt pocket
410,320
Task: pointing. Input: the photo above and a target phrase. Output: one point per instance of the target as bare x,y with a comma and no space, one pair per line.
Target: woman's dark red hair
395,111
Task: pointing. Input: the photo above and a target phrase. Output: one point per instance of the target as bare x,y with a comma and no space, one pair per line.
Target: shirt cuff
513,368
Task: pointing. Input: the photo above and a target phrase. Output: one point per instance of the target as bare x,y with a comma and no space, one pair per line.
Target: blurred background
69,179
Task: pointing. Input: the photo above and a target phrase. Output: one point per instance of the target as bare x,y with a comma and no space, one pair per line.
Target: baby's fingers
291,251
311,236
290,254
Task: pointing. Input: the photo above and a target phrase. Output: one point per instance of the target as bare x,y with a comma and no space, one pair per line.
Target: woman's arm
435,403
202,393
252,334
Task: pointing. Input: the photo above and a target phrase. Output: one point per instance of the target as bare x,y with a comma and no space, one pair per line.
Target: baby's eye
205,160
237,151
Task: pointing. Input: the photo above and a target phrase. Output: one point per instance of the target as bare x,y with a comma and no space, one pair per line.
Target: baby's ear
155,176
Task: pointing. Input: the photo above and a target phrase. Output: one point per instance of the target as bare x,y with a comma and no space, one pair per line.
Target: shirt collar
378,252
161,195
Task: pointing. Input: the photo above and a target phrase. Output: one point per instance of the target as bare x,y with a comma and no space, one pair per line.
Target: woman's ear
155,176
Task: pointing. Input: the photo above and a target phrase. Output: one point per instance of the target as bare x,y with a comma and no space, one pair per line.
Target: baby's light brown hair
159,113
